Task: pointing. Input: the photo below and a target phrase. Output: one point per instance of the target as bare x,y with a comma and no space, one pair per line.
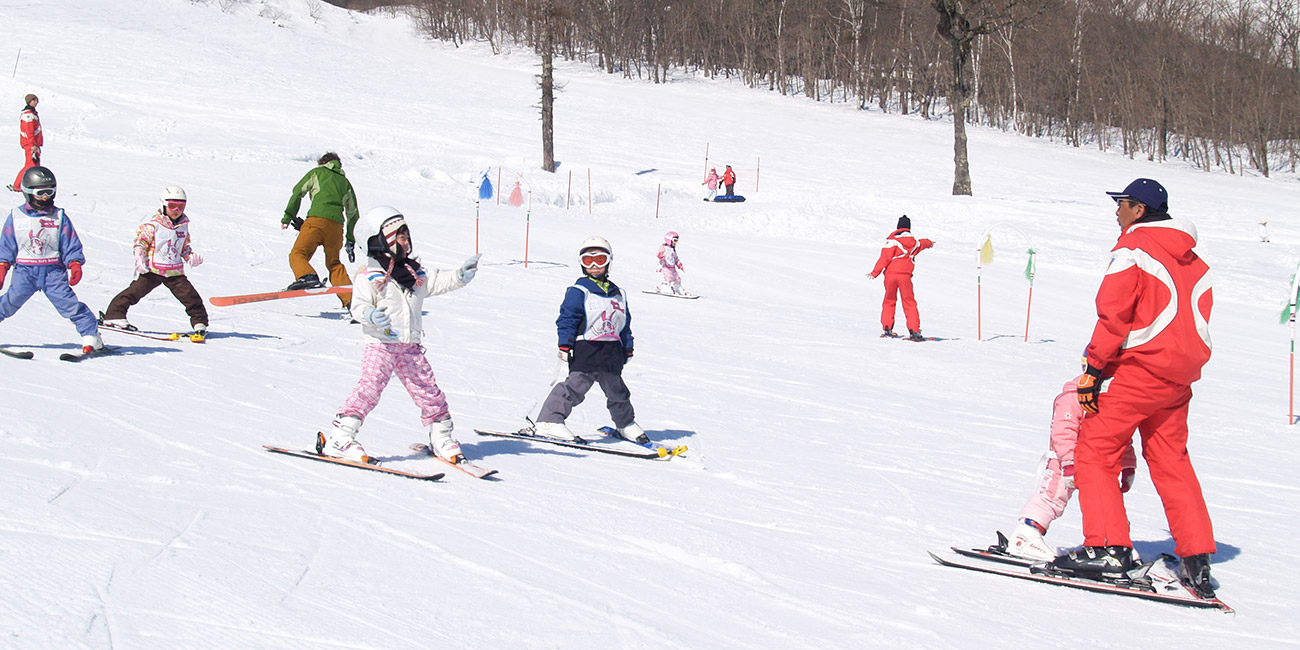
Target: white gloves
195,259
141,262
468,269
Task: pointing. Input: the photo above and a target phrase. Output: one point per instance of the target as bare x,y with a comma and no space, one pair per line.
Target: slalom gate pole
588,190
658,191
1290,419
758,166
476,202
498,186
568,194
706,145
528,226
1027,309
979,297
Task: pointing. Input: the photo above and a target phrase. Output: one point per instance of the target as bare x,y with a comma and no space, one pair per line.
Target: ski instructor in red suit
1151,339
896,261
30,138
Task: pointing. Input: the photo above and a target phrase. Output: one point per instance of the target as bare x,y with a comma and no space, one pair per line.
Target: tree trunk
548,86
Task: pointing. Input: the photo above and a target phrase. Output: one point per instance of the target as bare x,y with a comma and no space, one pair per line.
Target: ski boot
1027,542
635,433
441,442
308,281
1194,572
915,335
557,430
342,443
91,343
200,332
1096,562
889,334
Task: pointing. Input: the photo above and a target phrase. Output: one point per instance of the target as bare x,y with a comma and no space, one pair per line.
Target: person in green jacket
333,212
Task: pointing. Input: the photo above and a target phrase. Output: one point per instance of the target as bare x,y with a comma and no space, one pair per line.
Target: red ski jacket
898,252
1153,307
29,129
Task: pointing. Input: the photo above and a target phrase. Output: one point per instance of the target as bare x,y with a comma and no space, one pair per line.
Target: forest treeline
1212,82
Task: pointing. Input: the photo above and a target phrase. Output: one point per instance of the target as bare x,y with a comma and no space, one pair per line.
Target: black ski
527,434
663,450
1144,582
74,358
17,354
477,471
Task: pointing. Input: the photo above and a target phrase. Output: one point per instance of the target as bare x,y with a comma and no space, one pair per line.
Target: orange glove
74,273
4,270
1089,389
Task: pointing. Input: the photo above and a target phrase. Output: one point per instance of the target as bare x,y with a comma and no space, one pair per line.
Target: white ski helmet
172,193
382,221
596,243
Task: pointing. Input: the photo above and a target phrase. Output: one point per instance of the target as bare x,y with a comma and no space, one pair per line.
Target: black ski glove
296,222
1089,389
351,248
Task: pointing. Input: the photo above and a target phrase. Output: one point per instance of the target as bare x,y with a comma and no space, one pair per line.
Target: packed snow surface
139,509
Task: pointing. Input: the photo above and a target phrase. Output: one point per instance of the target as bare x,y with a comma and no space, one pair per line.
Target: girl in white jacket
387,298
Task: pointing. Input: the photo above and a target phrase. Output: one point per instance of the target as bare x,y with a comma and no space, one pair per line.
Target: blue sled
729,198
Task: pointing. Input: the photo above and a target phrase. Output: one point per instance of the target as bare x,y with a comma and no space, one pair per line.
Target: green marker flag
1029,269
1289,311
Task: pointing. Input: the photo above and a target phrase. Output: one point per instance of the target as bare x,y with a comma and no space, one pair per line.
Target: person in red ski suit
30,139
729,181
896,262
1148,347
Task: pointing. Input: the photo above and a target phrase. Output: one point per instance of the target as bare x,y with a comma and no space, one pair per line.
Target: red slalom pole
657,192
1027,308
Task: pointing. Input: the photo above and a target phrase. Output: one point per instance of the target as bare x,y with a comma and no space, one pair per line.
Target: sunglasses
44,192
593,260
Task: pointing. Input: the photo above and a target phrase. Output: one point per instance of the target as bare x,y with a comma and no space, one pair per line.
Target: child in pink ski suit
1056,479
711,181
669,265
387,298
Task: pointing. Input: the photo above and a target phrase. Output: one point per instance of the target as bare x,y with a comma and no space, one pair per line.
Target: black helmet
38,178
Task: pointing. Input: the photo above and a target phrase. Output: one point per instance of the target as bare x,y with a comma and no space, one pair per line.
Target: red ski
352,463
477,471
226,301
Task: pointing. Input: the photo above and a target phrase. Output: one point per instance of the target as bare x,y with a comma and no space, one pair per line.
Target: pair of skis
650,450
463,464
1157,580
66,356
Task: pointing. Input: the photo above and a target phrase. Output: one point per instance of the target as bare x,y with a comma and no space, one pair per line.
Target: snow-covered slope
140,511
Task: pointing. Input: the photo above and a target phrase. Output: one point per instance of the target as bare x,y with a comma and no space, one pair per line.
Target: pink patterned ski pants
379,363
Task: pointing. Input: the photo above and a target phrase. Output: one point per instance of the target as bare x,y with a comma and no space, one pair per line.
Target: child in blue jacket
595,338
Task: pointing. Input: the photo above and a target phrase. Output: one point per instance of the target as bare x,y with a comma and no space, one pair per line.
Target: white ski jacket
404,308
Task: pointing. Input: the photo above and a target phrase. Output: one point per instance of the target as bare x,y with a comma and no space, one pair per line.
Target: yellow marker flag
986,251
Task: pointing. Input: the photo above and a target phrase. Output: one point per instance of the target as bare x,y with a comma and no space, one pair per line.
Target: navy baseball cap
1147,192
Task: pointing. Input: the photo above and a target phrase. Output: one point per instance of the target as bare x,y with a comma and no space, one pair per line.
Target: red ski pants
29,160
899,285
1159,414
